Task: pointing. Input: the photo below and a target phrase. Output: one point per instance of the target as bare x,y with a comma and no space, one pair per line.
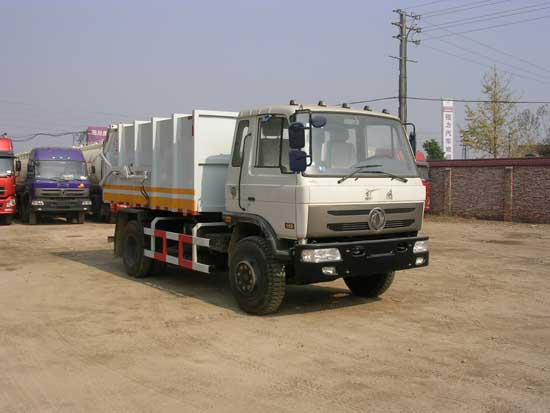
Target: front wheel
137,265
5,219
370,286
257,280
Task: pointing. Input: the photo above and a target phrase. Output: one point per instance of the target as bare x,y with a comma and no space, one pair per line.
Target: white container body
177,164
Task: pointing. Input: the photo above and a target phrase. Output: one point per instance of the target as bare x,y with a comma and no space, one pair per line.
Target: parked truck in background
7,181
96,170
288,194
53,181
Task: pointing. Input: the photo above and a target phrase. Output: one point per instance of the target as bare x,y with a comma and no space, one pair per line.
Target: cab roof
288,110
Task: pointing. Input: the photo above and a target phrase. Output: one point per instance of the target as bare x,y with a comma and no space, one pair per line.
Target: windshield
61,169
347,142
6,166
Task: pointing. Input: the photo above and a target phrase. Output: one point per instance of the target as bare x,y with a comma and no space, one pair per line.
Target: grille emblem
377,219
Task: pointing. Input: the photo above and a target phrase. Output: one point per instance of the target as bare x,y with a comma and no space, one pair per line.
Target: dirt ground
469,333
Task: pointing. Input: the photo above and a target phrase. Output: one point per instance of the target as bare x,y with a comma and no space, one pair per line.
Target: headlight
11,203
321,255
37,202
420,246
87,202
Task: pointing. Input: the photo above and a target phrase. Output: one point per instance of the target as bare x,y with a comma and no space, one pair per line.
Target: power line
432,99
481,64
489,27
538,78
26,138
487,46
484,17
463,7
416,6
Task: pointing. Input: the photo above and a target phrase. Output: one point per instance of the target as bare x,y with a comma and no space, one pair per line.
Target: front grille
364,226
348,212
62,192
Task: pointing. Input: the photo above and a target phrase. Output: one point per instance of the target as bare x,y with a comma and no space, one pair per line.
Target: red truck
424,172
7,181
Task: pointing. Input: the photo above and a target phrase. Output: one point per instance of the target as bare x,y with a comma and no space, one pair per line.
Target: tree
433,150
534,130
491,126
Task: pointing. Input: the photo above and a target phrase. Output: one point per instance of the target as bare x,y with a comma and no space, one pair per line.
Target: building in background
447,123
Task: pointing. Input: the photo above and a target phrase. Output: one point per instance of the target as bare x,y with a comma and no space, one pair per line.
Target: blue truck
54,182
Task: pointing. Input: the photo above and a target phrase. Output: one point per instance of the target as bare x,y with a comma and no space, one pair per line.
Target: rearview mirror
30,167
18,165
412,141
297,160
296,135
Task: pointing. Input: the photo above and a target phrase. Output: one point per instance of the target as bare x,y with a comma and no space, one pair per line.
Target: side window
242,131
270,142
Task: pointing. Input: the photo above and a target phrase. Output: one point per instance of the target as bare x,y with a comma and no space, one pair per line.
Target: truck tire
80,217
137,265
257,280
370,286
33,216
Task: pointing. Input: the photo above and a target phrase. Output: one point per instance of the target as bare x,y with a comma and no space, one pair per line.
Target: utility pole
403,37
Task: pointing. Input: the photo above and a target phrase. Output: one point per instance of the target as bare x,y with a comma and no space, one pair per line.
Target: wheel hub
245,277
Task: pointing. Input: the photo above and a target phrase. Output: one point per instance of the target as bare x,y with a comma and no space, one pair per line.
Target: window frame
283,117
240,142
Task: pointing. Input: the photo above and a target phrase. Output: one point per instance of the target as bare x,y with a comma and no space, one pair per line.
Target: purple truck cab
54,183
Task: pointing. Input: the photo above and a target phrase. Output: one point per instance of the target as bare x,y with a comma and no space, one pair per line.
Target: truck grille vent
364,226
62,193
367,211
2,190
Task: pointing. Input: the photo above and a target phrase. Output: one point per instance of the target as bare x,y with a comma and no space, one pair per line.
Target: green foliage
433,150
491,126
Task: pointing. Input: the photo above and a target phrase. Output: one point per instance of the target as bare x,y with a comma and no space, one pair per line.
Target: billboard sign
96,134
447,119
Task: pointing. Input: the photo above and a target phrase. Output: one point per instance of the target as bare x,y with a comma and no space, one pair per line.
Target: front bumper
360,259
60,205
4,209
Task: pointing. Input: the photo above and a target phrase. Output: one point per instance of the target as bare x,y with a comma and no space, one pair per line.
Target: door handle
251,198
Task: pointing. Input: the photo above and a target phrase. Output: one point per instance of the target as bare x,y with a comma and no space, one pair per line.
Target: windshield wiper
359,169
392,176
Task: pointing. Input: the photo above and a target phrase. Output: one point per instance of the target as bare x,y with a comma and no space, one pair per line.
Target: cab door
269,189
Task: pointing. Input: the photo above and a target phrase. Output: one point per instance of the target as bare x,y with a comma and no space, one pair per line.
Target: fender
279,249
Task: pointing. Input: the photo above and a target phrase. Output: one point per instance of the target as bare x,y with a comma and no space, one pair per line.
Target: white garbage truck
279,195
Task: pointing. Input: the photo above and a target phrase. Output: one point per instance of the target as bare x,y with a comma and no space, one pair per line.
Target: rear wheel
137,265
370,286
5,219
257,280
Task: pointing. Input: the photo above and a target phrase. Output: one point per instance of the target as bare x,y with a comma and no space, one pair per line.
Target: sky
67,65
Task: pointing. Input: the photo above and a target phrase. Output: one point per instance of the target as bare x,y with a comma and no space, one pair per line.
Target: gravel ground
471,332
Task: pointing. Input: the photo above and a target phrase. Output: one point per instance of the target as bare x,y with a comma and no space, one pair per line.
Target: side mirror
412,141
297,160
30,167
296,135
18,165
92,169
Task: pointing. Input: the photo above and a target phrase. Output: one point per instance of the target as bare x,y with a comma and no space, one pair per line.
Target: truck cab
7,181
335,191
53,181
